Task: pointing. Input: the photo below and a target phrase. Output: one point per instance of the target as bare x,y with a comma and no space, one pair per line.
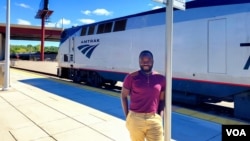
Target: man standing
146,89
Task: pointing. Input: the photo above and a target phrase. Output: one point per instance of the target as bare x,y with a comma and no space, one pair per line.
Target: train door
217,46
71,74
71,50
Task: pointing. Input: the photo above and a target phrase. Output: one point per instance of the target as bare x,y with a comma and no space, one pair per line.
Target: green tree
15,49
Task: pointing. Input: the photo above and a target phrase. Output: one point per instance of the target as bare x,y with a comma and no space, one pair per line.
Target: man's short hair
146,53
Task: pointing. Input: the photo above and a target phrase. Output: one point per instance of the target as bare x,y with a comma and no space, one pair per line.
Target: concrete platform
37,108
30,113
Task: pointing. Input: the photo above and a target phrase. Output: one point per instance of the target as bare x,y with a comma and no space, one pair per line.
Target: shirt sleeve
127,83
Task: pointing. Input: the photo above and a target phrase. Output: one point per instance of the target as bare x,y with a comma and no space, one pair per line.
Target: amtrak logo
87,49
247,65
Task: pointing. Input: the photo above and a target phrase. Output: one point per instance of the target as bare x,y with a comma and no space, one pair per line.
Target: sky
68,13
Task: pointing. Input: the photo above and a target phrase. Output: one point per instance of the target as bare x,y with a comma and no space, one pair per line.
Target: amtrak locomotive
211,51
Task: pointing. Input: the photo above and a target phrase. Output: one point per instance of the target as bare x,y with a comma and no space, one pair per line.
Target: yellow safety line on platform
27,73
70,83
209,117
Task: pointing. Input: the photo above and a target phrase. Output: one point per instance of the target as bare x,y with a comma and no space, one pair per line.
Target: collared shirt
145,91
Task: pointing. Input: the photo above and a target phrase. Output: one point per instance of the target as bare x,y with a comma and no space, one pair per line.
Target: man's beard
146,70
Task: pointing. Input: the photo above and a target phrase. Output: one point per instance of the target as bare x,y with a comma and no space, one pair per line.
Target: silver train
211,51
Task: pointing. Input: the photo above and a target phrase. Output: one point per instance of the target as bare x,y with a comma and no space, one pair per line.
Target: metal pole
42,40
168,71
7,48
62,23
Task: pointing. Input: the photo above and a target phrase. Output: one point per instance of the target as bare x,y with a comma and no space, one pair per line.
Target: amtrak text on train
91,41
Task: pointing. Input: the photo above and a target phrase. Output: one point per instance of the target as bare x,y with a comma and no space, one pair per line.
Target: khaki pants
143,126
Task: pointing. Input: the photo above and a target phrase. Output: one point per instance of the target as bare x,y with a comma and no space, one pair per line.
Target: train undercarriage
89,77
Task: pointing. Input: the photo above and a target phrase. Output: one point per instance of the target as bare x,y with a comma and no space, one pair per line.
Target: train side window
120,25
104,28
65,58
100,28
91,30
84,30
108,27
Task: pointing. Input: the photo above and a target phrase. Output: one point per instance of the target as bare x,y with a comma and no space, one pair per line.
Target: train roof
189,5
207,3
